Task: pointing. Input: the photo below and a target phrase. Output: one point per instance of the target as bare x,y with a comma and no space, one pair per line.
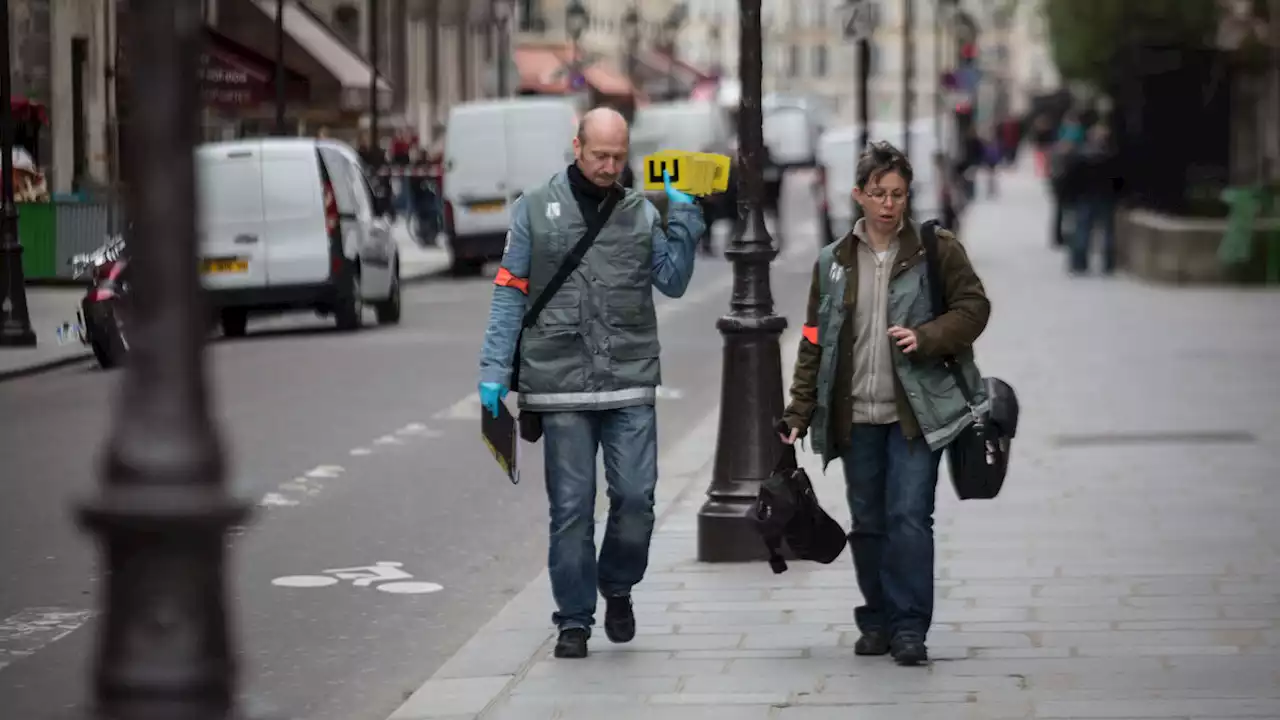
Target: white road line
27,632
388,440
359,452
325,471
272,499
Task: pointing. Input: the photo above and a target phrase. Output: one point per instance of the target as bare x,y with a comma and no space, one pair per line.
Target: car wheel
389,310
234,322
349,313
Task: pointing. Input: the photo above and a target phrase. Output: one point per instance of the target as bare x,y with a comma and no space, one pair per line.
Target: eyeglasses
880,195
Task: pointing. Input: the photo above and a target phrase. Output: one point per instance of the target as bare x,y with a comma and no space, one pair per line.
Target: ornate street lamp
751,381
500,11
15,320
164,647
631,33
576,20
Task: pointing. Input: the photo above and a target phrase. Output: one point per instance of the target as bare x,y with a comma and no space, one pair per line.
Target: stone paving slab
1130,569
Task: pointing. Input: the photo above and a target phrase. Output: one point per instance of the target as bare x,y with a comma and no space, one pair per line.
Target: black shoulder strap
929,239
938,298
571,261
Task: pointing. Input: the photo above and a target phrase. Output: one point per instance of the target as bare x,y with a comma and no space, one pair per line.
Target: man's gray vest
595,345
935,398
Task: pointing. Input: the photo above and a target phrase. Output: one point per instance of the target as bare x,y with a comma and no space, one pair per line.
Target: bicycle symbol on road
392,579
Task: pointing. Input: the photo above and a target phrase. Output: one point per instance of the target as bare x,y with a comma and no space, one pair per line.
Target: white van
496,150
694,126
838,152
291,224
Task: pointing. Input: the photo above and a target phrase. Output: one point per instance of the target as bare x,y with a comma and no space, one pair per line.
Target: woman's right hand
790,438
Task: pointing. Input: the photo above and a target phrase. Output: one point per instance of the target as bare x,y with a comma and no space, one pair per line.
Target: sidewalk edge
442,695
43,366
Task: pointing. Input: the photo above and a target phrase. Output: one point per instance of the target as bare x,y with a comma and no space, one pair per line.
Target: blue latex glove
492,393
673,194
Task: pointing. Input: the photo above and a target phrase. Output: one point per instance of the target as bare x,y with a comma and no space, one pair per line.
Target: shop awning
347,68
234,76
547,69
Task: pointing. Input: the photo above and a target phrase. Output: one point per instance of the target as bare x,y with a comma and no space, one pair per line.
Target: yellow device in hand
693,173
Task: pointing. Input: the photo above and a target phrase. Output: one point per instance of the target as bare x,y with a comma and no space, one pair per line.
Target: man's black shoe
619,619
872,642
572,643
908,649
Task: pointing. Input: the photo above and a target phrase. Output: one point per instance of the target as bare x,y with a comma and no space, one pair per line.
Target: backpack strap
937,299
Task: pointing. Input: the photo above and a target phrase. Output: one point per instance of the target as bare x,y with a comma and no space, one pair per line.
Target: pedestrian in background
871,388
588,367
1094,205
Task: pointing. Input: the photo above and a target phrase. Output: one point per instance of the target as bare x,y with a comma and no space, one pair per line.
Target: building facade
65,56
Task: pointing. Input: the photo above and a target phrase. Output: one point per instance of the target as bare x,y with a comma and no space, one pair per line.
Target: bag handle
570,263
938,299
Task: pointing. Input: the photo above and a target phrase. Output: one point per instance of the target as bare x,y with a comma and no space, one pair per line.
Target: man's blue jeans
891,484
629,437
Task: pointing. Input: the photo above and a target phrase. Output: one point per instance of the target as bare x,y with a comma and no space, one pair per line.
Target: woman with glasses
872,389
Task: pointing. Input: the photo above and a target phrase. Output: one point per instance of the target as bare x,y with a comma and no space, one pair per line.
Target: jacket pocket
563,309
628,348
552,361
630,307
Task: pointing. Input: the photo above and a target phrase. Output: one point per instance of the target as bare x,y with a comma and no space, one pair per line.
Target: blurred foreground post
164,648
751,391
15,320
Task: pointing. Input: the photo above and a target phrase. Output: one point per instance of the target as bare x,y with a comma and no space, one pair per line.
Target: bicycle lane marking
29,631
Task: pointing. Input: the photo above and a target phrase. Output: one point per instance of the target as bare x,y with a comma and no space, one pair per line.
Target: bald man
587,365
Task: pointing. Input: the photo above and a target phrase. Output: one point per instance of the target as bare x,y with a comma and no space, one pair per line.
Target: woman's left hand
906,338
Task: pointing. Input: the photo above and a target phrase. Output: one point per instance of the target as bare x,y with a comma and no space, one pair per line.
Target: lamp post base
15,319
751,403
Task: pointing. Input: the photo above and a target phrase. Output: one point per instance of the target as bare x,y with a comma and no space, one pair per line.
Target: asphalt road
357,450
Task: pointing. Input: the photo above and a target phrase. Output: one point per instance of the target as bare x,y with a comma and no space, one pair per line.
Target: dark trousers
891,483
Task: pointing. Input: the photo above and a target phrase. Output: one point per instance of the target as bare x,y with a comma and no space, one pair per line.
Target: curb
44,366
459,689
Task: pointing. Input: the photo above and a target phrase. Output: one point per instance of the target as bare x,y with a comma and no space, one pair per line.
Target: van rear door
231,216
297,240
539,142
476,172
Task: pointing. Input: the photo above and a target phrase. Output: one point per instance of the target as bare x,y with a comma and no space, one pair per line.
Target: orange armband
810,333
506,279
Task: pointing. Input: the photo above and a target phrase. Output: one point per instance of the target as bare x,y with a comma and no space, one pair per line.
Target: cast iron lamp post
164,647
751,381
631,33
576,20
15,320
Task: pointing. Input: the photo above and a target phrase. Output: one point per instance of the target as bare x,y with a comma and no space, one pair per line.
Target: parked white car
293,224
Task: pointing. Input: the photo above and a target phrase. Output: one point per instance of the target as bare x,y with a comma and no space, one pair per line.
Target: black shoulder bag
787,510
530,422
979,456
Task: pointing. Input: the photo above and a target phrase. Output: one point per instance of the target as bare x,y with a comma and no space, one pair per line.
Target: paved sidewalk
1131,569
418,262
48,307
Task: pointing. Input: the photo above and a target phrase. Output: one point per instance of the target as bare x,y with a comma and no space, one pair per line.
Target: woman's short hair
880,159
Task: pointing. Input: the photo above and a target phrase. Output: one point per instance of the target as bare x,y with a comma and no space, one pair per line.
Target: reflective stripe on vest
542,401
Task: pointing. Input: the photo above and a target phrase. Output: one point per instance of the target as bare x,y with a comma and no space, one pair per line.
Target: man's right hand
674,195
492,393
790,438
